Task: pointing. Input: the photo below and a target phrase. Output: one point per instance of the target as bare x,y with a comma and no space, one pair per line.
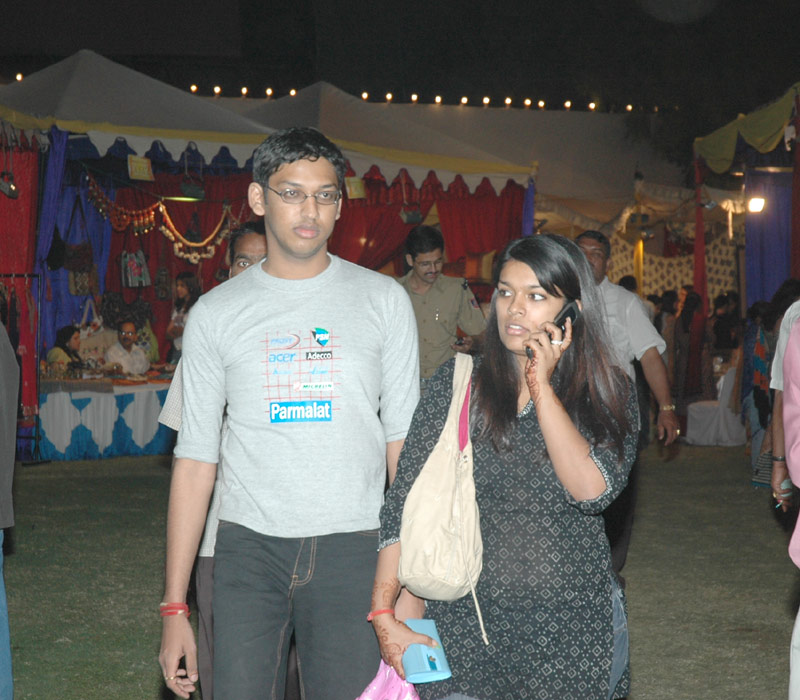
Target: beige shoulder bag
441,550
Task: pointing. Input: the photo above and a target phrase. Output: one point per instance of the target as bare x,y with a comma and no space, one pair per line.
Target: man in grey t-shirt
316,360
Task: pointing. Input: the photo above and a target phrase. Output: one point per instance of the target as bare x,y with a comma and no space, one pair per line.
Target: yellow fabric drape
762,129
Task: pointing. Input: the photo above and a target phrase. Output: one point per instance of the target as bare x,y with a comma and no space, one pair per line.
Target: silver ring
556,342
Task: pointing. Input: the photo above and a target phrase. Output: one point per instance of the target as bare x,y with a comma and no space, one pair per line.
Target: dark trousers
266,588
619,515
204,588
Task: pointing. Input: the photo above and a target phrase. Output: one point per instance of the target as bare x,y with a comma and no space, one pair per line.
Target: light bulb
438,99
193,87
292,92
464,100
592,106
389,96
486,100
365,96
414,97
268,92
244,92
508,101
568,104
217,89
756,205
541,104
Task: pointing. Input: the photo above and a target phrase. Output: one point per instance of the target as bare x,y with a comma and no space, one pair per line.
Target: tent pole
794,251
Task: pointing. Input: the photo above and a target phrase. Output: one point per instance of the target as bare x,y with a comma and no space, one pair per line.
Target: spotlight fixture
508,101
592,106
528,102
19,77
244,92
217,90
292,92
365,96
389,96
486,100
414,98
629,108
438,99
755,205
193,88
464,100
568,105
268,92
540,104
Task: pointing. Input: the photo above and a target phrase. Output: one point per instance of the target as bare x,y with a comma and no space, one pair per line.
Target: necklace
526,409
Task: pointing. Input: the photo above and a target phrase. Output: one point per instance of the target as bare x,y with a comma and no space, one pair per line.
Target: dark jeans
265,588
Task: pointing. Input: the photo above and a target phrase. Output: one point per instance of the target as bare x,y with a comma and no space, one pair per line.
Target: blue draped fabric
529,209
51,200
85,225
768,234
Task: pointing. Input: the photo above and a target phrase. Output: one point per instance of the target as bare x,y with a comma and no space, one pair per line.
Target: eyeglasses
291,196
129,334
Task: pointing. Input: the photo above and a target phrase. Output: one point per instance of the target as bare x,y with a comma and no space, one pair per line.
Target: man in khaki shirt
441,304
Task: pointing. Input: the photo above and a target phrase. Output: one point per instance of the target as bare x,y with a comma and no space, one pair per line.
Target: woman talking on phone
553,425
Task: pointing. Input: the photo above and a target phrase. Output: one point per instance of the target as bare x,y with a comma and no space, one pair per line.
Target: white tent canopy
89,94
584,162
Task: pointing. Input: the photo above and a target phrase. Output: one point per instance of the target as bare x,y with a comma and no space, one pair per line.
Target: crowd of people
308,394
130,345
308,385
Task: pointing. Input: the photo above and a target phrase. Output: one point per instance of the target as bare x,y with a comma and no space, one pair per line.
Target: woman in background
187,292
64,354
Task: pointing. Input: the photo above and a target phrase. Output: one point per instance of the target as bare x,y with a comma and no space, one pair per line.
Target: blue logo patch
321,336
299,411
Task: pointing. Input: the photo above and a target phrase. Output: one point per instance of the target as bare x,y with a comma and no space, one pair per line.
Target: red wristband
375,613
169,609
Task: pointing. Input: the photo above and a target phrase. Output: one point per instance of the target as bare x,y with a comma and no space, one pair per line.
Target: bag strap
462,388
463,421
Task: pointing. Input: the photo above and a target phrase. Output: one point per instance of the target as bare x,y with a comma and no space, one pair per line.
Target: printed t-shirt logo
299,411
321,336
284,341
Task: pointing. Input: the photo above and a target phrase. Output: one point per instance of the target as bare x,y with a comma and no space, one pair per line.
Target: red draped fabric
480,222
371,231
699,238
203,216
18,216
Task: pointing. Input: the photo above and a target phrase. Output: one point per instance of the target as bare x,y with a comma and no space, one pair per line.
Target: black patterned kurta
545,588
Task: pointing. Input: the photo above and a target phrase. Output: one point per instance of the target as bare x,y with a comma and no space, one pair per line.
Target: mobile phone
570,311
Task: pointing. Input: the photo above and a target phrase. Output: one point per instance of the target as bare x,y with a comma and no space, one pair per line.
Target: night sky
709,58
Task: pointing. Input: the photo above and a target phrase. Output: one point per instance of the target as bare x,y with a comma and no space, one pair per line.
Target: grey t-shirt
318,375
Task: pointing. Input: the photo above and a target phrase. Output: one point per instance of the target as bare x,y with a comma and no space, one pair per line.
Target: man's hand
780,472
667,426
177,641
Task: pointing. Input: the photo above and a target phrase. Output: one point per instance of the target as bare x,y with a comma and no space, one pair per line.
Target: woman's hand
546,345
394,638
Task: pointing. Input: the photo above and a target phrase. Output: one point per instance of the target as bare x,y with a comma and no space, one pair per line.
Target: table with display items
98,418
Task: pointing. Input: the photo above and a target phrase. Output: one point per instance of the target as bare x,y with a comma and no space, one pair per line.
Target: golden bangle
667,407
